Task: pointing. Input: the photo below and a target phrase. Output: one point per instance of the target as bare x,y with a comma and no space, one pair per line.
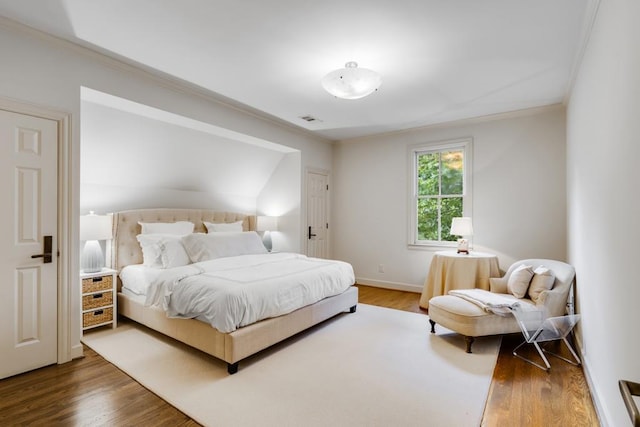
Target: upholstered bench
470,320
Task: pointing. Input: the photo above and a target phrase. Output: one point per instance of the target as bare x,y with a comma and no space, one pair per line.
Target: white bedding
137,277
236,291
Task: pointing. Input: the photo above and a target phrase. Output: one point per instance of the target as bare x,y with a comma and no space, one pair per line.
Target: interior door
28,248
317,222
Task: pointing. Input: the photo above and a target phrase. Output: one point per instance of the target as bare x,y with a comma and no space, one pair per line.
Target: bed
233,346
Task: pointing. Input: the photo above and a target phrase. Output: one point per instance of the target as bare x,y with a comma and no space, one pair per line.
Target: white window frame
466,144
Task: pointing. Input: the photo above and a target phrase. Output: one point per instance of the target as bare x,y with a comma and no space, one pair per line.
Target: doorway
34,316
317,213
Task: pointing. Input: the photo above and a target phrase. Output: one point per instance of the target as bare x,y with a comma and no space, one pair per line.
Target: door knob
47,256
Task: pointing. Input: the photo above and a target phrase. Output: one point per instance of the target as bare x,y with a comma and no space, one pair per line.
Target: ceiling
439,60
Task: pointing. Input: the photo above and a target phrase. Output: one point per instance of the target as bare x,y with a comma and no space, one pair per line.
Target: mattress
137,298
233,292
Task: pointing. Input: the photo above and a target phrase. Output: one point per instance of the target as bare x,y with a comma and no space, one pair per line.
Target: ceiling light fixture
351,82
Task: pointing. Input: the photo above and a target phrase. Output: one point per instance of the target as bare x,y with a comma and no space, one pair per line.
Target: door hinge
327,225
327,187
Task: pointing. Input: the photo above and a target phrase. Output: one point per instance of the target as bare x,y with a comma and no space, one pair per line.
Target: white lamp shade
267,223
95,227
461,227
351,82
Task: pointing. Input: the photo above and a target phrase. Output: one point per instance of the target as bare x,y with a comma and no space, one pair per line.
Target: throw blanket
491,302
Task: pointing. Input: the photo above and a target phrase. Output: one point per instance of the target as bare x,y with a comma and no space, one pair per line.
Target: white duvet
237,291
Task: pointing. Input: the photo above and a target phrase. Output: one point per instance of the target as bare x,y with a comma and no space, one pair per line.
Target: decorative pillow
498,285
223,227
162,251
150,249
179,228
203,247
543,280
173,254
519,280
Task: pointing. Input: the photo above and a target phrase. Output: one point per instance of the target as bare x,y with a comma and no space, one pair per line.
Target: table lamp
462,227
92,229
267,224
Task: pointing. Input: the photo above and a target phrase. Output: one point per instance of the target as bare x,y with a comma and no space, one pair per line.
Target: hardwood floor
520,393
85,392
91,391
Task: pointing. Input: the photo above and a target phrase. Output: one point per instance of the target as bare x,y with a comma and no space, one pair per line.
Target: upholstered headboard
125,249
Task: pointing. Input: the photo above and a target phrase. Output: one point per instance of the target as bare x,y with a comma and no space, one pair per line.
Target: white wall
603,127
518,195
42,70
281,197
129,161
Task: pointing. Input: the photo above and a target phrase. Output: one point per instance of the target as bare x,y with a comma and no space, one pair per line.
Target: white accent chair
471,321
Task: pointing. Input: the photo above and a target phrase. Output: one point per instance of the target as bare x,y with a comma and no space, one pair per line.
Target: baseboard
389,285
76,351
597,403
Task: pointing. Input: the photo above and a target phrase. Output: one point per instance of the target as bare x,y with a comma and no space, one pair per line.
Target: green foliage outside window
440,190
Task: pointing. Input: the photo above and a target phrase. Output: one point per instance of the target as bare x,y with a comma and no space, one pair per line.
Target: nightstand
99,299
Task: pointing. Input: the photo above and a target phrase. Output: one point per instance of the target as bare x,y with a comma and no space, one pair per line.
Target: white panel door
28,285
317,225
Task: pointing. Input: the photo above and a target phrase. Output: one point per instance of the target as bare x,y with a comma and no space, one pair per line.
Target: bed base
235,346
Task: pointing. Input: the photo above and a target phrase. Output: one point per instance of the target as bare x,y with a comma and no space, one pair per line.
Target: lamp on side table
463,228
92,229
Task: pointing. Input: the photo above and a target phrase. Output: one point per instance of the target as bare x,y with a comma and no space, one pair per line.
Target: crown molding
462,122
167,81
589,19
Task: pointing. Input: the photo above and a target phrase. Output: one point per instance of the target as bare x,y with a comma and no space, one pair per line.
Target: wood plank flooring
520,393
91,391
85,392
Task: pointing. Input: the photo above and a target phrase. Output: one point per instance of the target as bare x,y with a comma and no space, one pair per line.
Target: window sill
432,246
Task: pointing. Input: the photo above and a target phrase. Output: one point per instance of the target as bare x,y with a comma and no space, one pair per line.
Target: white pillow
543,280
223,227
137,278
173,254
162,250
519,280
179,228
150,249
203,247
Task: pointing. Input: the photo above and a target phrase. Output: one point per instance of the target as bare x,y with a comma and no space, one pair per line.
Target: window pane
428,219
428,174
439,189
452,169
451,208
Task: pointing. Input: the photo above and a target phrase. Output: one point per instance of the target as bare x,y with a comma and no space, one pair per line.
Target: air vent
309,118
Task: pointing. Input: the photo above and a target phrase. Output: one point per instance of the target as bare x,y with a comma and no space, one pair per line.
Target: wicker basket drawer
97,300
97,317
94,284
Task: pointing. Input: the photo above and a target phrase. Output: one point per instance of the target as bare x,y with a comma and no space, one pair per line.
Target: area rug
375,367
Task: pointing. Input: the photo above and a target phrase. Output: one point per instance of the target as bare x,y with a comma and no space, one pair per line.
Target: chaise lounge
471,321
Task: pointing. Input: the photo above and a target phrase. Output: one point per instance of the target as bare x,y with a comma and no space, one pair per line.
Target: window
441,191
